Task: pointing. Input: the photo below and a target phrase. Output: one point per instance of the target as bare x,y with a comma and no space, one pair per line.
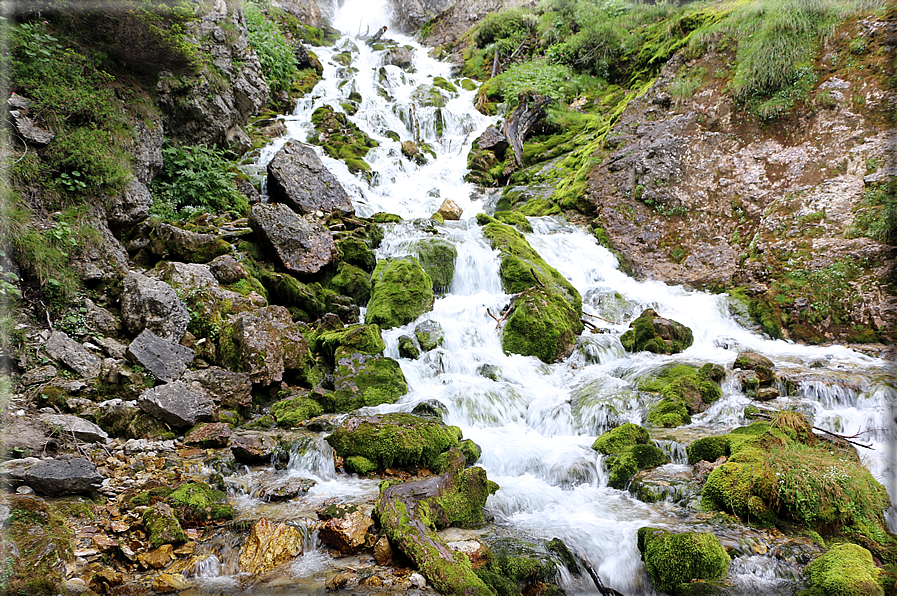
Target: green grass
877,216
273,49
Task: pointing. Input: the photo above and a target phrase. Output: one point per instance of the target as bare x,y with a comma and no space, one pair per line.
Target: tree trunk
523,120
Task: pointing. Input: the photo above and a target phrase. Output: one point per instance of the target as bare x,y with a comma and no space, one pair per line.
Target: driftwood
497,320
376,37
602,589
828,432
523,120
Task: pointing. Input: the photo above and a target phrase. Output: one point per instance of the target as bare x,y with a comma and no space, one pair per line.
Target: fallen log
523,120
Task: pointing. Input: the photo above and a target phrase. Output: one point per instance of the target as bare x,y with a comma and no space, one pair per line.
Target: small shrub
273,49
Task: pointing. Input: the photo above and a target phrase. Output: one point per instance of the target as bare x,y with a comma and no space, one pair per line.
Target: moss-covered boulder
845,570
341,139
429,335
781,472
294,411
396,440
355,251
163,526
761,365
676,559
685,390
516,566
353,282
708,449
514,218
407,348
401,292
629,449
652,333
411,512
353,339
437,257
37,543
361,380
197,503
546,314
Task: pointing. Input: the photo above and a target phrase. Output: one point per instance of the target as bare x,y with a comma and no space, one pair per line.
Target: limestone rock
54,477
73,425
104,259
364,380
275,488
100,319
227,269
215,434
253,449
493,140
171,242
437,257
269,546
153,304
401,56
63,348
177,405
38,375
188,276
158,558
450,210
171,582
164,359
348,534
269,343
130,207
298,178
227,388
299,243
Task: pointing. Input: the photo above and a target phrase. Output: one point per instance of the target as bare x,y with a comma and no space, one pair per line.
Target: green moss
385,218
356,252
352,281
444,84
360,464
162,528
402,291
514,218
708,449
668,413
197,502
621,438
293,412
470,450
644,335
845,570
674,559
354,339
341,138
437,257
361,380
42,543
396,441
148,497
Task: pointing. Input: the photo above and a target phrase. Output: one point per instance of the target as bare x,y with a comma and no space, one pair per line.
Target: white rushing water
536,422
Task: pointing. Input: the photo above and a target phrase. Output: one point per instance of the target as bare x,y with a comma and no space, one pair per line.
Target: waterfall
536,422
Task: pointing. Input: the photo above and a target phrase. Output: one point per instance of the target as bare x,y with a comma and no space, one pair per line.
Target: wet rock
493,140
152,304
269,546
212,435
418,581
228,389
275,488
489,371
176,244
253,449
298,178
629,449
73,425
353,339
670,482
767,393
450,210
170,582
653,333
54,477
675,559
407,348
431,408
761,365
268,343
164,359
130,207
401,292
410,149
363,380
845,569
348,533
383,551
401,56
300,244
66,350
177,405
158,558
429,334
437,257
295,410
38,375
227,269
162,526
340,580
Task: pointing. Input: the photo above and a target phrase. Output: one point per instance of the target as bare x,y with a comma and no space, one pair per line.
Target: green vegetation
845,570
402,291
629,449
341,139
685,390
37,544
195,179
293,412
877,217
273,49
650,333
675,559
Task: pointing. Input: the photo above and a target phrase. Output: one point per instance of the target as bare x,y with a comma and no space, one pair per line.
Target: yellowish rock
383,551
269,546
347,534
170,582
450,210
159,558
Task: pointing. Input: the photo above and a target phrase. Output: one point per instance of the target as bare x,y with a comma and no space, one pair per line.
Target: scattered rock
253,449
79,427
450,210
152,304
170,582
176,244
300,244
158,558
164,359
63,348
269,343
348,534
383,551
227,269
212,435
283,489
228,389
652,333
177,405
99,319
493,140
761,365
54,477
38,375
269,546
298,178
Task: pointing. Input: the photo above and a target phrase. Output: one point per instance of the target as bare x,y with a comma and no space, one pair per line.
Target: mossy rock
442,83
360,465
514,218
845,570
382,217
356,252
653,333
708,449
471,451
685,389
341,138
354,339
294,411
630,449
41,541
163,526
621,438
353,282
403,441
402,291
407,348
198,503
437,257
429,335
675,559
428,96
362,380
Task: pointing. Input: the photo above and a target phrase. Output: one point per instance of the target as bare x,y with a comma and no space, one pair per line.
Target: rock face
177,405
199,109
63,348
152,304
652,333
269,546
735,198
402,291
268,343
299,243
298,178
130,207
55,477
165,359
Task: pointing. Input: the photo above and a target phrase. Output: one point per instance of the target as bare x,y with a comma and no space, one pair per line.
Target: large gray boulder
171,242
227,388
165,359
148,303
66,350
177,405
74,425
130,207
300,244
54,477
268,343
297,177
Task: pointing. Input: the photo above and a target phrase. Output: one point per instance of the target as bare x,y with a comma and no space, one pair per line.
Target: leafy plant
273,49
195,179
877,216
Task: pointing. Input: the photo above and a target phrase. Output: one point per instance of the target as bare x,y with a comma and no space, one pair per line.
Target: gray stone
81,428
63,348
230,389
299,243
177,405
298,178
188,276
429,334
114,348
227,269
493,140
104,259
39,375
165,359
253,449
54,477
130,207
174,243
148,303
269,343
30,131
99,319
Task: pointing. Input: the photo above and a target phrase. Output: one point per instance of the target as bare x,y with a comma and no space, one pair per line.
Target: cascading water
536,422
